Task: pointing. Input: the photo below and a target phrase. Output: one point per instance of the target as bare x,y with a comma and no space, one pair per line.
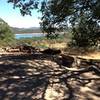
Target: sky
14,18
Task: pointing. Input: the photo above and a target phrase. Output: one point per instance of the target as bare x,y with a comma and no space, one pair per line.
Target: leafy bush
86,33
6,35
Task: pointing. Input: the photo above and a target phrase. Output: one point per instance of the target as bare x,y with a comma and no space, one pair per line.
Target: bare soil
40,77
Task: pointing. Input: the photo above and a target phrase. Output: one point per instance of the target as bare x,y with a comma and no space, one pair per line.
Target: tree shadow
28,77
18,81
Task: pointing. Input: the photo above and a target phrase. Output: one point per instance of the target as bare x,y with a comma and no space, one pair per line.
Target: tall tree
57,14
60,8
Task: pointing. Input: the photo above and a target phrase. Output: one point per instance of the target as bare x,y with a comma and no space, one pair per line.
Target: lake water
29,35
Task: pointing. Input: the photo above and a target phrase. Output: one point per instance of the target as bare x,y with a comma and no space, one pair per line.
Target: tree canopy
83,16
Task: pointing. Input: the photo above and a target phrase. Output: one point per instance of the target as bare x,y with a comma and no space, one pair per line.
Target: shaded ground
39,77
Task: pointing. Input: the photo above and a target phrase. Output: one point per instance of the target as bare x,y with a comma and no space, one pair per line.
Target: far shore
29,33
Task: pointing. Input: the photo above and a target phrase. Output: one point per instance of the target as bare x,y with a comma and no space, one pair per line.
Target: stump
67,60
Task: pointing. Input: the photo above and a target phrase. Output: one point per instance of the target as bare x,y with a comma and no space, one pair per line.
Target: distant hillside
26,30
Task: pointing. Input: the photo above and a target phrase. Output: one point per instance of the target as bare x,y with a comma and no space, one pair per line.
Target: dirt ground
40,77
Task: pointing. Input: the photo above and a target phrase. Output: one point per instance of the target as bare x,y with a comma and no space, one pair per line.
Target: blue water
29,35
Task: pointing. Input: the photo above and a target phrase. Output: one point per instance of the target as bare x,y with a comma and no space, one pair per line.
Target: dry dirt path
39,77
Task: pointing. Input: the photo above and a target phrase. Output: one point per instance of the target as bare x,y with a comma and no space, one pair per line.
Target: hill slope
26,30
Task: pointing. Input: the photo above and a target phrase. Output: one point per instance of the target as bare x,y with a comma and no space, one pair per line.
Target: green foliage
86,33
59,9
25,5
53,18
57,14
6,35
82,15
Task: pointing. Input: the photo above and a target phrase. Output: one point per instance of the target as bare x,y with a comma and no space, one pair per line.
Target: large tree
60,9
82,15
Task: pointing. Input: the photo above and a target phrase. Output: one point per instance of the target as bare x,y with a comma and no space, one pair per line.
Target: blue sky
14,18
